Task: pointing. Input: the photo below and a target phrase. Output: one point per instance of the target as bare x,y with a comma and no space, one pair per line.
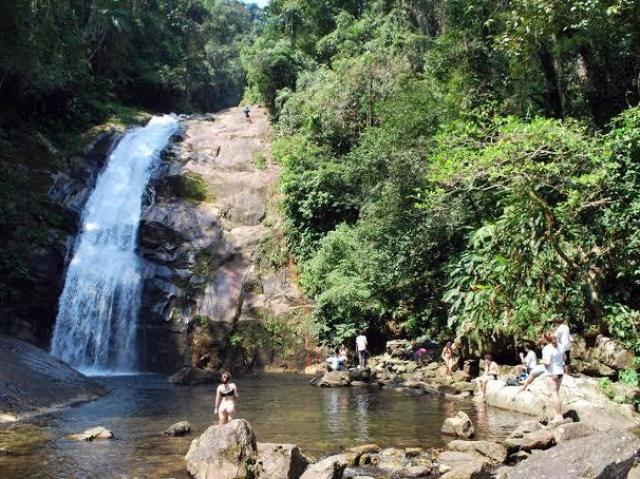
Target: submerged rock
190,376
98,432
223,452
459,425
281,461
178,429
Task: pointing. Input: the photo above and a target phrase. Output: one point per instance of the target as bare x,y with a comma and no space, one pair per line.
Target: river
281,407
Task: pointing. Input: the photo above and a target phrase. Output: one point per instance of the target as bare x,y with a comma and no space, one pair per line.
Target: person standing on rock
448,356
564,339
361,349
553,360
226,396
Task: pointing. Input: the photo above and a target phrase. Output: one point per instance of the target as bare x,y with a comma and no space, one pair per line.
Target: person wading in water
226,396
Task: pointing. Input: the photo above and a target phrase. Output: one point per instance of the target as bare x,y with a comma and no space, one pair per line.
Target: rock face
98,432
280,461
459,425
32,381
223,452
603,455
217,266
32,321
605,358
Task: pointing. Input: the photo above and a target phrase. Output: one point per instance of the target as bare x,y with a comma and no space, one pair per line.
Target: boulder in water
178,429
98,432
223,452
459,425
334,379
281,461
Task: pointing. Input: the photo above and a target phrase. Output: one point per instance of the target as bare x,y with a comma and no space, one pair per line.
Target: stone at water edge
571,431
331,467
603,455
459,425
178,429
542,439
281,461
98,432
334,379
497,453
473,470
223,452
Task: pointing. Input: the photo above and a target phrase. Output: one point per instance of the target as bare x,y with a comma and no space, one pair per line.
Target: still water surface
281,408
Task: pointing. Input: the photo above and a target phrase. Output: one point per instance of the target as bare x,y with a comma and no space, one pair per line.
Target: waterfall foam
95,330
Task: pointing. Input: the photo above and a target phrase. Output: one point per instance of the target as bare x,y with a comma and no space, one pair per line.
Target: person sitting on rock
448,356
226,396
335,361
491,372
529,361
344,355
419,353
537,370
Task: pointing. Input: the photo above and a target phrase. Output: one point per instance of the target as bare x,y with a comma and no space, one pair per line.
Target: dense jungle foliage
68,65
458,166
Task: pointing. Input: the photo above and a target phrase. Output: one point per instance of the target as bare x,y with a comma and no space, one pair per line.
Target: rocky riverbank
568,450
582,396
32,382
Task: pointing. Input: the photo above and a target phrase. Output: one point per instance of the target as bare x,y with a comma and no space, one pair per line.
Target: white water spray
95,329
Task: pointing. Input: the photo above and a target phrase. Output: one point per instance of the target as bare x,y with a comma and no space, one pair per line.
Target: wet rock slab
32,381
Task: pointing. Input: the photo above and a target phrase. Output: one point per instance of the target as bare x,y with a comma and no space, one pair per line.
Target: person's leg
364,359
553,385
222,415
231,412
567,362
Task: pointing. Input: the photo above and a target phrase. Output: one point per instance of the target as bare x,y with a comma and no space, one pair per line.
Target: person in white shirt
529,361
532,367
564,339
553,360
334,361
361,349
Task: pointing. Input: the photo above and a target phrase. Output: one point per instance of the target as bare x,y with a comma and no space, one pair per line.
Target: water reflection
282,408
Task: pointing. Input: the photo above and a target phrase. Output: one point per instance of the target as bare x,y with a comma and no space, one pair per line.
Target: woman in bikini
448,356
491,372
226,396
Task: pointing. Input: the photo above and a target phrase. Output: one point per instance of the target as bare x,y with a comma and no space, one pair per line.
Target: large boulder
459,425
399,348
331,467
603,455
542,439
581,395
223,452
611,353
281,461
495,452
334,379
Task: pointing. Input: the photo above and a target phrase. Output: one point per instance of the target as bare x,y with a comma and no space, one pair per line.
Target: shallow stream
281,408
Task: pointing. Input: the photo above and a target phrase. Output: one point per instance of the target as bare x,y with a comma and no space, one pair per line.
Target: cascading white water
95,330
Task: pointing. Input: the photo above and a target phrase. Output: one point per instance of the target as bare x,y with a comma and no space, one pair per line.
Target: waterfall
95,330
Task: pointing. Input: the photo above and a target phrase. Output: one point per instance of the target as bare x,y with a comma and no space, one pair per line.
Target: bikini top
226,394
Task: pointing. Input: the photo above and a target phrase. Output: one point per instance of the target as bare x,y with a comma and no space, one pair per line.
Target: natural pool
281,408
